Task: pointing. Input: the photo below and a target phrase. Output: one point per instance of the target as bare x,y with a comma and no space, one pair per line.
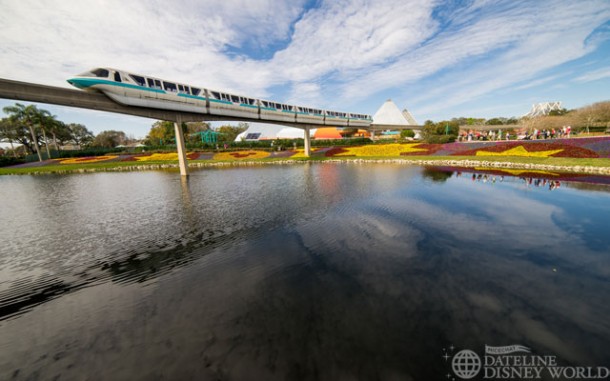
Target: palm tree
43,119
49,123
8,133
26,115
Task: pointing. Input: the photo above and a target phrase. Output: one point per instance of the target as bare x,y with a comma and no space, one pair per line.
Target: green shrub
440,139
5,161
407,134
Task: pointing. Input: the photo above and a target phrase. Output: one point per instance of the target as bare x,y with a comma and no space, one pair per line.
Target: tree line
36,131
30,130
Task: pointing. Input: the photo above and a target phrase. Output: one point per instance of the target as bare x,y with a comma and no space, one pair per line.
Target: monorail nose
77,83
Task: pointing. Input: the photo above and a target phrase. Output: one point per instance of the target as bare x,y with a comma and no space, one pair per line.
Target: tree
194,130
559,112
109,139
44,120
494,122
162,132
597,114
407,134
229,133
79,134
441,132
194,127
8,133
28,116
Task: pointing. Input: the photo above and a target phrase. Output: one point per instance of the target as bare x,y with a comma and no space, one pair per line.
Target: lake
314,271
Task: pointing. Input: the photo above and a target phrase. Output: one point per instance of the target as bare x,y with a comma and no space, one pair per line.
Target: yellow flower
91,159
301,153
519,151
241,155
381,150
172,156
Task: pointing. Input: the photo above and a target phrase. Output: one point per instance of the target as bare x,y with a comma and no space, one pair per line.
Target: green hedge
5,161
440,139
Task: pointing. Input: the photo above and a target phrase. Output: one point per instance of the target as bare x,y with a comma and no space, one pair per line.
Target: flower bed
392,149
241,155
87,159
172,156
529,149
598,147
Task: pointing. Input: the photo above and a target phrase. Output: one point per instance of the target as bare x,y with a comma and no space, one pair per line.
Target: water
322,271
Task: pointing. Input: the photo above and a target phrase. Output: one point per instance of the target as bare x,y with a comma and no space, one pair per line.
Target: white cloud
497,50
594,75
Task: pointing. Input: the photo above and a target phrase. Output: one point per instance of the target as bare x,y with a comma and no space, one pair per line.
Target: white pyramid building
389,115
409,117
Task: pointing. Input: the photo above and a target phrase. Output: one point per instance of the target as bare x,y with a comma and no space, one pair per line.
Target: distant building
390,118
265,131
541,109
410,119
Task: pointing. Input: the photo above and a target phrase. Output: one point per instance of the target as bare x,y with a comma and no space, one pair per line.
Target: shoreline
463,163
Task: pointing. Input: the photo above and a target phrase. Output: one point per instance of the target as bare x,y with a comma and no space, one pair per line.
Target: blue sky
438,59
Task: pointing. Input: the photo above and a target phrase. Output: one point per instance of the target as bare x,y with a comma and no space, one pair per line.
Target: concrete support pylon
307,142
181,146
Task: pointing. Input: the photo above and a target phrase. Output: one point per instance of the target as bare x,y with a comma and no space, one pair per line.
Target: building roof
267,131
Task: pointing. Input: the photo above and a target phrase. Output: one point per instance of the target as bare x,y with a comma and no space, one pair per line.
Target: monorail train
144,91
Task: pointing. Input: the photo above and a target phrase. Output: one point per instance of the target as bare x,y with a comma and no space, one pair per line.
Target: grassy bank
575,165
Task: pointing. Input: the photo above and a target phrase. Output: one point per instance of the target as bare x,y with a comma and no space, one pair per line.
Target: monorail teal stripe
220,101
88,82
191,96
247,105
306,113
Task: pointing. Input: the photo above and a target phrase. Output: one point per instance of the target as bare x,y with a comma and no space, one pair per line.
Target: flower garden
597,147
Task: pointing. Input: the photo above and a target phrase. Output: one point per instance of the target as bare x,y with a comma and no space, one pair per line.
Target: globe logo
466,364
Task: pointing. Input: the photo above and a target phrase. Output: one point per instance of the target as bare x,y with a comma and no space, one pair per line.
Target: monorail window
157,84
100,73
235,98
170,86
151,83
181,88
216,95
117,76
137,79
195,91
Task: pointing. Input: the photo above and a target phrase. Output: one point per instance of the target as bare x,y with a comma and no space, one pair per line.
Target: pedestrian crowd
491,135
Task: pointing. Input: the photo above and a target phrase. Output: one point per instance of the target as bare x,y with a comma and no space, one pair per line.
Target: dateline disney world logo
514,362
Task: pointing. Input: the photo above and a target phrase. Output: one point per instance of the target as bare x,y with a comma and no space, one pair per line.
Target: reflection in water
303,272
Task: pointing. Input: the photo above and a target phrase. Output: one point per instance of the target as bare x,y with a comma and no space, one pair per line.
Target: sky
438,59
